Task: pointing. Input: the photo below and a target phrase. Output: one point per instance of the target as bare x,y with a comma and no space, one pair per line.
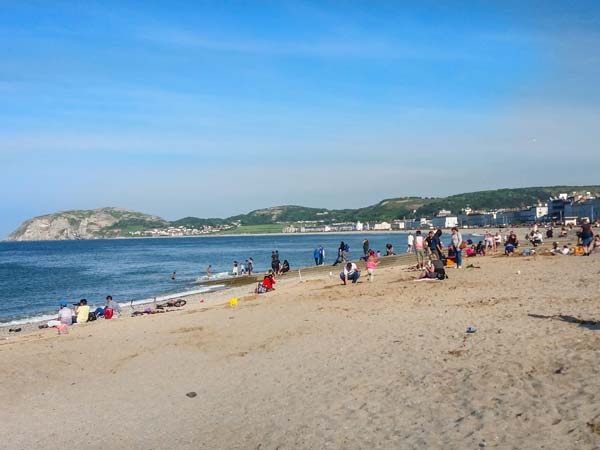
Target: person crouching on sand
350,272
371,264
269,281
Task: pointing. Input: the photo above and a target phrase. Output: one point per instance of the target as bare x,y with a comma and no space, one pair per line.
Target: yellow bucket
233,302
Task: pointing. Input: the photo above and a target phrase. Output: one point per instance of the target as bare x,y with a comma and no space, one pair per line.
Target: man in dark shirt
587,237
436,244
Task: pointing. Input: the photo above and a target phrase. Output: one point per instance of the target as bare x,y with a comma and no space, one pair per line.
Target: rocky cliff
88,224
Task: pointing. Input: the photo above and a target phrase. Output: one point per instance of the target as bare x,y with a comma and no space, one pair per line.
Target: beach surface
383,364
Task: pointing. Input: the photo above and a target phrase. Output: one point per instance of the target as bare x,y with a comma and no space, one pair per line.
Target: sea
36,276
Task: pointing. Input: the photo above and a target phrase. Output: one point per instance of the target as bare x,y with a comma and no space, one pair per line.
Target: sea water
36,276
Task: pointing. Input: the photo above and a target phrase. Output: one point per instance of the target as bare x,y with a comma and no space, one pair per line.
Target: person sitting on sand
480,249
82,312
566,250
471,251
65,316
285,267
536,239
509,249
556,250
350,272
596,248
428,271
563,232
111,304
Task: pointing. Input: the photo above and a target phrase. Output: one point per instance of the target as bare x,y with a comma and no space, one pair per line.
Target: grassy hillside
113,222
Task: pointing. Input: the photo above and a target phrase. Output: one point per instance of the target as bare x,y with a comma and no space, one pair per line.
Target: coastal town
564,209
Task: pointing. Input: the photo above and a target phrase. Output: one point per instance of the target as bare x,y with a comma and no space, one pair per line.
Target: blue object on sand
471,330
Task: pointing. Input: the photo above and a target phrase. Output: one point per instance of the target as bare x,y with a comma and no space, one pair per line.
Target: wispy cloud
367,47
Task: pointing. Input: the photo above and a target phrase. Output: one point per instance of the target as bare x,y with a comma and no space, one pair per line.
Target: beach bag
578,250
261,289
92,316
108,313
463,245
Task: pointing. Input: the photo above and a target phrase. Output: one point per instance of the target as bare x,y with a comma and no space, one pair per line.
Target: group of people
80,313
240,268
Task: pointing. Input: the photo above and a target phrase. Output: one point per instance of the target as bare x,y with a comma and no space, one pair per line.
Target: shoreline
220,286
208,287
478,230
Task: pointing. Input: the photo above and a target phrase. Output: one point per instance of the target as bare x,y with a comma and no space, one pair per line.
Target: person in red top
269,281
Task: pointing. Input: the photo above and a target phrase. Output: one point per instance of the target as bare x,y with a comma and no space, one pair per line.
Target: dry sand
319,365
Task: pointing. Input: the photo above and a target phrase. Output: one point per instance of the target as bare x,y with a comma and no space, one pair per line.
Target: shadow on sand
589,324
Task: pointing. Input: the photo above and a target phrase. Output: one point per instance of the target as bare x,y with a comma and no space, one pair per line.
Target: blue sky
217,108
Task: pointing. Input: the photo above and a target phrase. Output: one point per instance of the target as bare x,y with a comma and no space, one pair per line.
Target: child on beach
371,264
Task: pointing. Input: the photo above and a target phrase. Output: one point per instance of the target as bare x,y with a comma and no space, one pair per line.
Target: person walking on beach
235,271
371,265
419,249
411,240
316,255
321,255
275,261
365,244
457,242
340,257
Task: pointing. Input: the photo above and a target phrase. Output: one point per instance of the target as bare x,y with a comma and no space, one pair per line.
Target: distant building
445,221
382,226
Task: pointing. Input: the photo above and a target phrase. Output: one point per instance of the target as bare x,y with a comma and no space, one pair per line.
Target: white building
382,226
359,226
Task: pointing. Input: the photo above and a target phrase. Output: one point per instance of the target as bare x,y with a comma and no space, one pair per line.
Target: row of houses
180,231
565,209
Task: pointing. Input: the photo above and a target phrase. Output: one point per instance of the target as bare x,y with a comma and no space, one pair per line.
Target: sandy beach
315,364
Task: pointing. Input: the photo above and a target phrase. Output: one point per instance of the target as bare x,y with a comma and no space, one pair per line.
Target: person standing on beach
457,245
436,244
371,265
275,261
411,240
250,265
587,237
428,246
235,270
365,245
321,255
316,256
209,271
419,249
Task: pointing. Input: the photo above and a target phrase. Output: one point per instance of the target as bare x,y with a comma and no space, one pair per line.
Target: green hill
115,222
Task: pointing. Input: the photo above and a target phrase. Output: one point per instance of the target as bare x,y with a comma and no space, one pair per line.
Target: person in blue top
436,244
316,255
321,255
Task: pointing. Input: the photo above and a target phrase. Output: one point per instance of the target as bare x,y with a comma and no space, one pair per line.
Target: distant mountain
115,222
85,224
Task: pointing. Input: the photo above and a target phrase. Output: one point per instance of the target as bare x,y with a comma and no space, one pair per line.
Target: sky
212,109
